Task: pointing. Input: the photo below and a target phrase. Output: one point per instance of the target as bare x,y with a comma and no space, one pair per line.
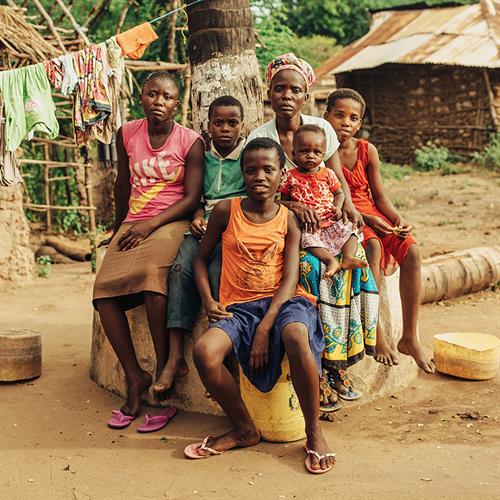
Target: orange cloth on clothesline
133,42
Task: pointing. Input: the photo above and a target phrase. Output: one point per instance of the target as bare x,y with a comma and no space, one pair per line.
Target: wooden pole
90,202
171,34
123,16
46,186
187,97
491,99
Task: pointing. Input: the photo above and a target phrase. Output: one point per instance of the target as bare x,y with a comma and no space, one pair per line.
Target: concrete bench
372,377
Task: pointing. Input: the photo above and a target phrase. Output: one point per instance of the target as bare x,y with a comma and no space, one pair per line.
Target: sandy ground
55,445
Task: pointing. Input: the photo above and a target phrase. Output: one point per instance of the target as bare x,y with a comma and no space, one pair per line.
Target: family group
285,252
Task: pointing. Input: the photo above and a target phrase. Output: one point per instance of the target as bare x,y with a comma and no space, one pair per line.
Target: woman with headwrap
349,301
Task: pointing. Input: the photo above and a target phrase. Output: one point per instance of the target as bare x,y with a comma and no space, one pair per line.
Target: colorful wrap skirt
348,306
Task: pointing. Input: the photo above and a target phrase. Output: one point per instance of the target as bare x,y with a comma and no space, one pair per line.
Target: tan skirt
145,268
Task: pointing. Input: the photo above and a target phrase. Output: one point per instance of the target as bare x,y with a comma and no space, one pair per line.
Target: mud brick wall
409,105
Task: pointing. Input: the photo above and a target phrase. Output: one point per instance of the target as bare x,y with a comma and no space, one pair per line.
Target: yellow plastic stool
277,413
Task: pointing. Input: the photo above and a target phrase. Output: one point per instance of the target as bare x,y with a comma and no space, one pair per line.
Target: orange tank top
252,257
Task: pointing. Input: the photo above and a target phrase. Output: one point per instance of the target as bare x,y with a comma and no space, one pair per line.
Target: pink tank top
156,175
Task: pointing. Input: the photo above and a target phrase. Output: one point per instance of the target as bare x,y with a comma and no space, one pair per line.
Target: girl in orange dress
387,239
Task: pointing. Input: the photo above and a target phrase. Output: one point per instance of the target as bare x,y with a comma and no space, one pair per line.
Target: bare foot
353,263
385,354
332,268
234,439
317,442
414,349
173,370
135,387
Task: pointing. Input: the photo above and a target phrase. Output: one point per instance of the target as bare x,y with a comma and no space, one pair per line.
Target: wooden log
459,273
55,256
20,355
68,248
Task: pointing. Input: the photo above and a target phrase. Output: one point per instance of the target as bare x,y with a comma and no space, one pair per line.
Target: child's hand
198,227
216,311
379,225
259,353
106,242
134,235
405,228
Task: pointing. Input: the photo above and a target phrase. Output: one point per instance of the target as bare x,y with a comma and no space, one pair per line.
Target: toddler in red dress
316,186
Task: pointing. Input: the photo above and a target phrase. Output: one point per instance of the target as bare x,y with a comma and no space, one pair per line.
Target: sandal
119,420
339,380
192,450
308,463
328,397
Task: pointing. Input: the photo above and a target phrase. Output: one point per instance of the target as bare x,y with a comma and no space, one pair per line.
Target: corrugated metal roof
467,35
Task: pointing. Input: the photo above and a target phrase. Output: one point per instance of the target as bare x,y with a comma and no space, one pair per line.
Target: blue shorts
241,329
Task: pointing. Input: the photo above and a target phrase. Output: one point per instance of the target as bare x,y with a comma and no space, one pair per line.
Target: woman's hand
216,311
198,227
338,213
259,353
350,213
405,228
378,225
106,242
308,217
134,235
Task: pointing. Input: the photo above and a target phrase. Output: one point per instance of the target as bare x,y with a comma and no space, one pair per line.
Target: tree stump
20,355
376,379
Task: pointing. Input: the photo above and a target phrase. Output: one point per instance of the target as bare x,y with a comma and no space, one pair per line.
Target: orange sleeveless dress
252,257
394,248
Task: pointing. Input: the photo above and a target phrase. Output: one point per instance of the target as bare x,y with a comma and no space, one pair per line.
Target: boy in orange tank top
263,313
387,235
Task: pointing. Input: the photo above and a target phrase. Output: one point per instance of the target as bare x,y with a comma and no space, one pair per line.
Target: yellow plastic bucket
277,413
467,355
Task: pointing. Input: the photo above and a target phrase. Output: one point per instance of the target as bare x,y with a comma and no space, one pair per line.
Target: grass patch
447,222
391,171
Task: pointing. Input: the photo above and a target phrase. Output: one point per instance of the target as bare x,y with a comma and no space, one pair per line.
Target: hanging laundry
134,41
28,105
9,164
92,102
61,73
115,72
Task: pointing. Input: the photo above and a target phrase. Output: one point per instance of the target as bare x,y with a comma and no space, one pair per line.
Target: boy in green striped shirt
222,180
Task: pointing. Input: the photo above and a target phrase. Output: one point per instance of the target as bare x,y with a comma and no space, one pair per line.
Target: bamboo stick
154,66
123,15
55,164
42,208
171,35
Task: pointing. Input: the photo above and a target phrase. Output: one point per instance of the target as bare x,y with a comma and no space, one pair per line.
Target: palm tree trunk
223,62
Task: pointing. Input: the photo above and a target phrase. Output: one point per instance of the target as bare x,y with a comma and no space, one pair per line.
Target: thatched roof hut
427,75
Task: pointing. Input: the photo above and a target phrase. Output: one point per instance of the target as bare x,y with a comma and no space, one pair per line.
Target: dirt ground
55,445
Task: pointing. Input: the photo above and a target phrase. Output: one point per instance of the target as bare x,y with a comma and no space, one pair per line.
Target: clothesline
182,7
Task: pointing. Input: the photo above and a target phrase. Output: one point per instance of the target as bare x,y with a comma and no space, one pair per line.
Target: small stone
89,434
425,479
378,409
251,483
420,425
31,480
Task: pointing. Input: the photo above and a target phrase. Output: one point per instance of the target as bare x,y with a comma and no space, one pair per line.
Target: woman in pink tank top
158,187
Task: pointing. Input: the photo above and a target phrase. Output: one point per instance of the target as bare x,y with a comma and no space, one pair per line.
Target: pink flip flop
308,463
193,450
156,422
119,420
